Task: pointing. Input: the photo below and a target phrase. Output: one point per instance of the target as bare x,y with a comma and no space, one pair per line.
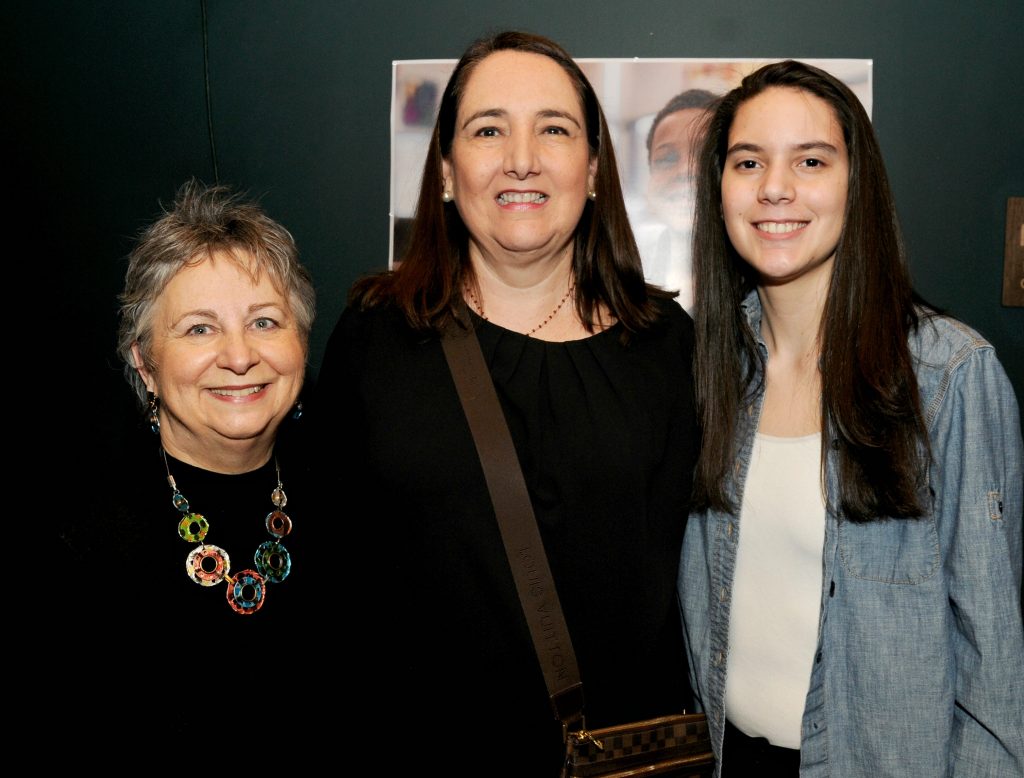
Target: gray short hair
204,219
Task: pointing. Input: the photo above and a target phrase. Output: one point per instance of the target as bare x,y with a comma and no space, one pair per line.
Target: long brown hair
427,285
869,402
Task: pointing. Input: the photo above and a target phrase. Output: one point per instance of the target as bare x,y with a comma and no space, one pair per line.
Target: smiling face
784,185
670,186
520,164
226,361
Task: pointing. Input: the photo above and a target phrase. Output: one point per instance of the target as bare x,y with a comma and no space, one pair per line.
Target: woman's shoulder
940,338
98,516
672,320
951,356
362,323
670,309
943,346
362,336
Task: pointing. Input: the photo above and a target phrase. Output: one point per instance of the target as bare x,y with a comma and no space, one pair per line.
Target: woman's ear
447,182
140,365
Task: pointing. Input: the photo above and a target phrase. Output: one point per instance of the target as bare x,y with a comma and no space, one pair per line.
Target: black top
169,659
606,435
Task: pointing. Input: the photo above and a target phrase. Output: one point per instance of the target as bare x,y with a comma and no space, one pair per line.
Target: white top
776,593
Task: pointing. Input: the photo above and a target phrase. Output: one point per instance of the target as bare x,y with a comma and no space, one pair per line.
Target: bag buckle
585,736
573,740
580,736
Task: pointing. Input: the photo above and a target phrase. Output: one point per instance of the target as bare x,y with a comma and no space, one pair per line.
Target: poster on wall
650,105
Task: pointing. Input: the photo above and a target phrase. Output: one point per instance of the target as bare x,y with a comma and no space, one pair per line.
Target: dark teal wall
109,117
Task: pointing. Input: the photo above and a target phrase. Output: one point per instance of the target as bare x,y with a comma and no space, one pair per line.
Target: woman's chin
235,433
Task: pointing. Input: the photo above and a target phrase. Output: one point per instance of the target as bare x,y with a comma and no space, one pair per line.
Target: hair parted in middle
870,401
427,285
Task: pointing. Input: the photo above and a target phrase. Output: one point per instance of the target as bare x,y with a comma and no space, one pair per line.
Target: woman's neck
790,327
229,457
534,298
791,316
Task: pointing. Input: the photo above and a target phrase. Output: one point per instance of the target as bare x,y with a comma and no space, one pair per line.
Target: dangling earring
297,410
153,412
592,194
446,196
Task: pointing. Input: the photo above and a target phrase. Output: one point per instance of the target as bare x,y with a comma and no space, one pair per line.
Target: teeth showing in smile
239,392
779,228
505,198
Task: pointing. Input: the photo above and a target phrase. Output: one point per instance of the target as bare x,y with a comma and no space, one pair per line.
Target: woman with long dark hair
850,582
521,235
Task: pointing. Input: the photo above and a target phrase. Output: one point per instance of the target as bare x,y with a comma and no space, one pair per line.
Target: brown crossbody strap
517,522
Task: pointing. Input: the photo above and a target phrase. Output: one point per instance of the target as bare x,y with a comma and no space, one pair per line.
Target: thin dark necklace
208,565
478,306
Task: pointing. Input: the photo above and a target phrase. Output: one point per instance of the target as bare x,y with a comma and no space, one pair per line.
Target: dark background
108,113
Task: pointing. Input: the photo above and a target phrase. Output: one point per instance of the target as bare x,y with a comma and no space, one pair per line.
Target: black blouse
170,660
606,434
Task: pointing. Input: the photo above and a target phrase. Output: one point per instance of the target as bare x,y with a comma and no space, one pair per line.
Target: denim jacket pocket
894,551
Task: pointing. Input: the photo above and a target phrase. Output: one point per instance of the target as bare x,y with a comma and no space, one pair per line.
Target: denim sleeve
978,480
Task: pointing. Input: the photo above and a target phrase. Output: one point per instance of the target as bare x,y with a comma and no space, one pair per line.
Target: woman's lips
521,198
779,228
231,392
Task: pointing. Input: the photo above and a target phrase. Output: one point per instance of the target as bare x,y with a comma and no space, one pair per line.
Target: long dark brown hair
869,396
427,285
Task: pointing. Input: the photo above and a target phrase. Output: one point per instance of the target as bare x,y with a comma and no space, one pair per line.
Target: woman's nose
521,156
776,185
237,353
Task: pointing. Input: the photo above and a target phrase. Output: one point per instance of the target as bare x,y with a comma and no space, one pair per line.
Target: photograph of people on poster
653,107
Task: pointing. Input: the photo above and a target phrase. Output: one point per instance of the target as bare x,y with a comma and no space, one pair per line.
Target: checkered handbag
668,746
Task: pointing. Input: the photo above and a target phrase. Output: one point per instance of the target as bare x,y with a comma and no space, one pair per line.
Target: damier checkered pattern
677,746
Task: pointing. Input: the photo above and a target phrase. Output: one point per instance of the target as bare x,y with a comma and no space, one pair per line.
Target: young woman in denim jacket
850,580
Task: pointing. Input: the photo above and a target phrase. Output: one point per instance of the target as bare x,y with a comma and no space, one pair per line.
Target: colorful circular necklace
208,565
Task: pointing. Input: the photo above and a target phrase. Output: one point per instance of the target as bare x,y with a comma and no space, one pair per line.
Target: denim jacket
919,667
